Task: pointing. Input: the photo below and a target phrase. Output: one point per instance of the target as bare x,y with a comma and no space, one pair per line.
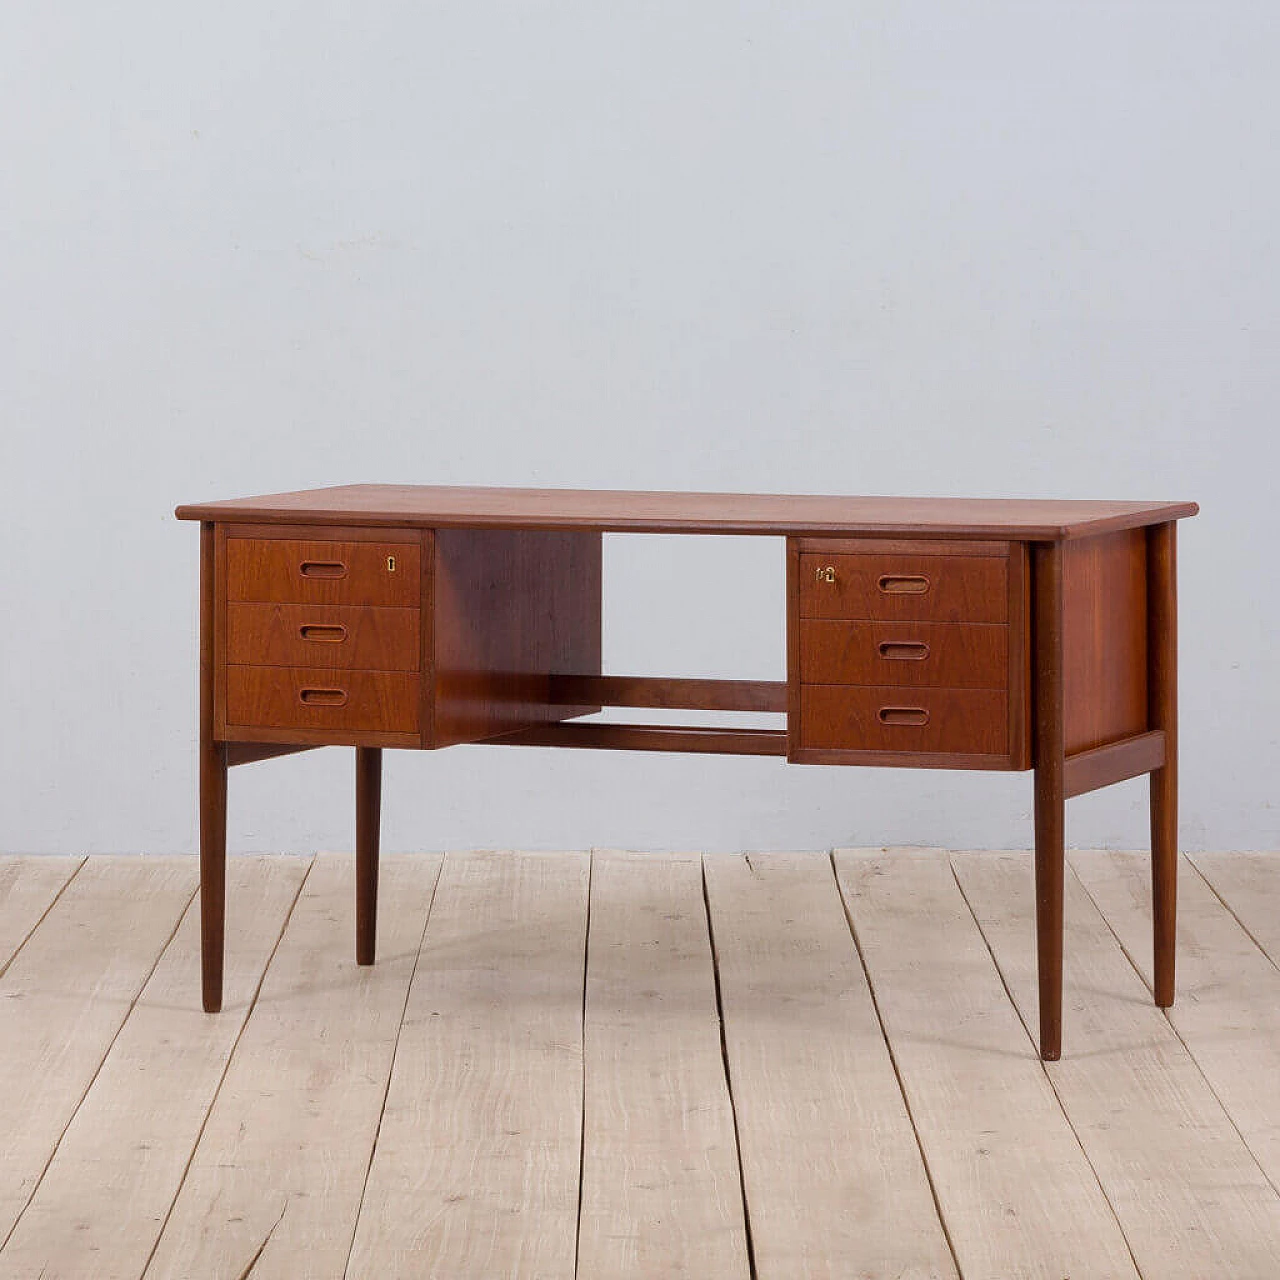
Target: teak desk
924,633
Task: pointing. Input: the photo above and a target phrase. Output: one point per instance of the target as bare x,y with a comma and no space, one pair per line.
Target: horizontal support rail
666,692
1117,761
652,737
252,752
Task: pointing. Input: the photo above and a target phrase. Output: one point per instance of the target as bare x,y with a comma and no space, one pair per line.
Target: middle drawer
347,637
957,655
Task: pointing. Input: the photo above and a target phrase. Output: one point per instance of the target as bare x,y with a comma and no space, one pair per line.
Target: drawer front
351,637
897,719
282,570
933,588
316,698
959,655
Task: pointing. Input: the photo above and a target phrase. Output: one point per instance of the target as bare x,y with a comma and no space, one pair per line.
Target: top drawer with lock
927,581
289,571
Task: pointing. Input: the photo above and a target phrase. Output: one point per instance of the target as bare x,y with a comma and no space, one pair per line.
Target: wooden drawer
958,655
282,570
352,637
315,698
937,588
889,718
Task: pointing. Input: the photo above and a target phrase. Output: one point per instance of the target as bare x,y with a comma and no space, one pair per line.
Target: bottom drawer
895,718
314,698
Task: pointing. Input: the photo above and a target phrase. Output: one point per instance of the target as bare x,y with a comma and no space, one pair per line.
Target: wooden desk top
444,506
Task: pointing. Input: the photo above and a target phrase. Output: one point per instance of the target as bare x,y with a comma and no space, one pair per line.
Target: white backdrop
986,248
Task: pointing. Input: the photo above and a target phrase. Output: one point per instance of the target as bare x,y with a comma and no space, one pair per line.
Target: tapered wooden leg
213,869
213,797
1162,687
368,817
1050,766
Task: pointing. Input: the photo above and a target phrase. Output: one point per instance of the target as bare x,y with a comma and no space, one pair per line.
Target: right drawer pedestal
911,653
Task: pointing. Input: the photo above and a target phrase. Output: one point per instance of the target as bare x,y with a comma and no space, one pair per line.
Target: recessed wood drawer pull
904,715
323,569
324,634
904,650
903,585
323,697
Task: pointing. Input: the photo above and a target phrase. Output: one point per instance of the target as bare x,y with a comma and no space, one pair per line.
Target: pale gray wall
945,248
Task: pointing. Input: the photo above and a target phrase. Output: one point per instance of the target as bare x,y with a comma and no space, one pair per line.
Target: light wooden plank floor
758,1067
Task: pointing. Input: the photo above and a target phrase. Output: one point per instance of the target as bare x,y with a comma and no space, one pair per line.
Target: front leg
368,819
1050,805
213,797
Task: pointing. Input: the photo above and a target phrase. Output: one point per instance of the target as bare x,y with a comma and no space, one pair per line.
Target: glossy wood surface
1105,639
892,718
278,570
442,506
317,698
901,587
369,637
951,654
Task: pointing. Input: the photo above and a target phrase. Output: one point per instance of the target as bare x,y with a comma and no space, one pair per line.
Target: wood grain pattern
509,611
660,1185
1105,641
28,888
353,701
834,1181
476,1170
1188,1194
280,1168
442,506
988,1121
955,588
1229,1014
360,637
291,571
853,718
123,1155
954,655
65,996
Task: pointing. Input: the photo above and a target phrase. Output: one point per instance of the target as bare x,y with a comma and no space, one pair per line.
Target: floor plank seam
1230,910
17,951
391,1066
213,1102
728,1071
97,1071
1044,1066
582,1053
897,1073
1173,1026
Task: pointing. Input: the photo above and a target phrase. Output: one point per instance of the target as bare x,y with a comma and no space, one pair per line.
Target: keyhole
391,564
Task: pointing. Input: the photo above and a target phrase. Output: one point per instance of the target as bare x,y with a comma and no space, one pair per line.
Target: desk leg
368,818
1162,686
1050,806
213,798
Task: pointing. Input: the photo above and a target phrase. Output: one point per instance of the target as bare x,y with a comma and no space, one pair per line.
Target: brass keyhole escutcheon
827,573
391,564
